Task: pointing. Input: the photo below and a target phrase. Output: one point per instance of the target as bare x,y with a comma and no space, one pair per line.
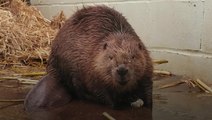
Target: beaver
95,56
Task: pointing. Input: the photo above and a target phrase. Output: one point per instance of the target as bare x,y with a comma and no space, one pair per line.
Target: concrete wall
177,30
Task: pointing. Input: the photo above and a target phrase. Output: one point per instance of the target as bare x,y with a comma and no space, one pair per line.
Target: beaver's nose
122,70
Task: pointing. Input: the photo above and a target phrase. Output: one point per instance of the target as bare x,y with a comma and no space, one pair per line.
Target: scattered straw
108,116
158,62
162,72
12,100
193,83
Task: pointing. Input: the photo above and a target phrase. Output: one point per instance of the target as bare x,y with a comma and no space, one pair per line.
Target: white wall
177,30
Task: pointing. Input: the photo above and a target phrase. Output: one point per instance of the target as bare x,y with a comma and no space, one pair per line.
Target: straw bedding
25,35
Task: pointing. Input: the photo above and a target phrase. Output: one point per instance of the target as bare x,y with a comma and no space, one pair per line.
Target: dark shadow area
81,110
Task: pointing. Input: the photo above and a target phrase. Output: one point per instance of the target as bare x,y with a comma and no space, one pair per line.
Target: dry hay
25,35
58,21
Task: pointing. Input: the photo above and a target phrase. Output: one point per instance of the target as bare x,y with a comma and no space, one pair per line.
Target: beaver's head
121,61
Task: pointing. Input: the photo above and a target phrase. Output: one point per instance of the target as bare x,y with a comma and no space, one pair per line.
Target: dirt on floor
179,102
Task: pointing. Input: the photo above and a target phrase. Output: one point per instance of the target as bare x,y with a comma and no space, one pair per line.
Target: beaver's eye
133,57
110,57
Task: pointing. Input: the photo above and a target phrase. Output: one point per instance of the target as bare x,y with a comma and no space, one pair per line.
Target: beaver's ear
105,46
140,46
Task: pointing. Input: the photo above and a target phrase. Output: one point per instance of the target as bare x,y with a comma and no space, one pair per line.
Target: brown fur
86,54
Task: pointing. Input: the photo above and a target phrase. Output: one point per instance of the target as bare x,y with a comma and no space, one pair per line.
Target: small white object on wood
138,103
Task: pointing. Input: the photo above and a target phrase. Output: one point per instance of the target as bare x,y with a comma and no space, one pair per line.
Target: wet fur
80,58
